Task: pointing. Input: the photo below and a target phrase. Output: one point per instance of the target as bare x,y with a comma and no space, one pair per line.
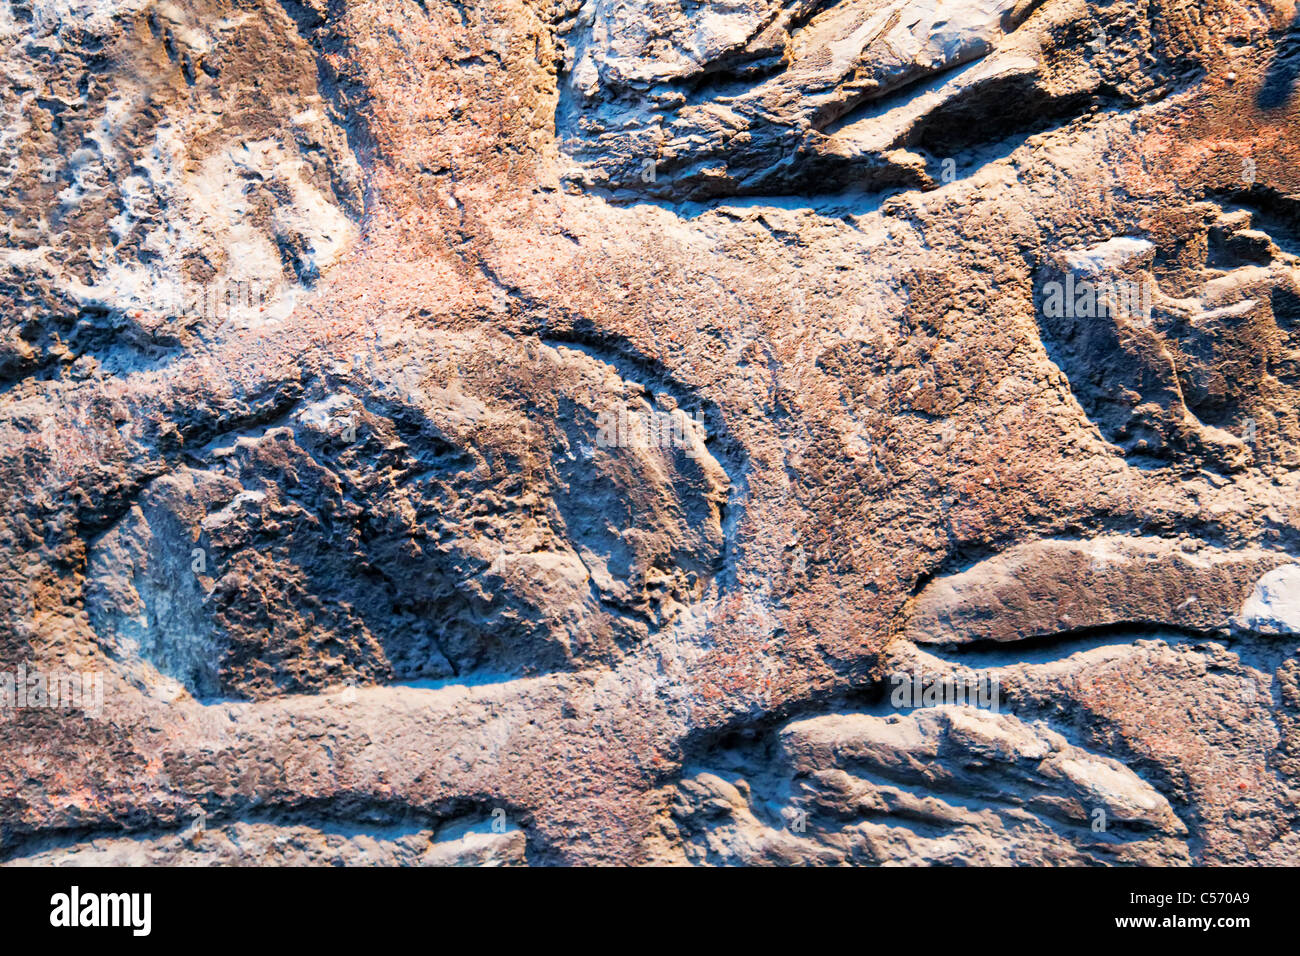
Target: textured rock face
144,165
267,843
726,432
425,530
939,785
1274,605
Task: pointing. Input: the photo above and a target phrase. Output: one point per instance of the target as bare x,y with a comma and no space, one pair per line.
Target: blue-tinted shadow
1280,80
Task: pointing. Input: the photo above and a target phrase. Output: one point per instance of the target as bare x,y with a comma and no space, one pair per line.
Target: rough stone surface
938,785
1274,605
562,432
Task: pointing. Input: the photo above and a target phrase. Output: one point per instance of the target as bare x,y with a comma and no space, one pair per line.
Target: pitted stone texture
421,521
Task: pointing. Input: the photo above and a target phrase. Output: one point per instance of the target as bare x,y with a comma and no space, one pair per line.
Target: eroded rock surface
938,785
594,432
427,530
264,843
1048,587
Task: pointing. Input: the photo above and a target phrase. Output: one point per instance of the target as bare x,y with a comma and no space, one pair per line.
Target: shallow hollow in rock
472,506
